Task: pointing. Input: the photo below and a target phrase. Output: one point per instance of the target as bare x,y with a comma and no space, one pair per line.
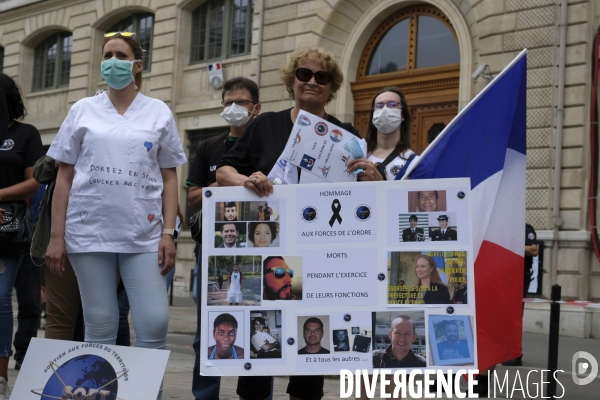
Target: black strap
389,159
381,166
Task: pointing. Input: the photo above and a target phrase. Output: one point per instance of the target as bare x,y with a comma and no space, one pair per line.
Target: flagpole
439,137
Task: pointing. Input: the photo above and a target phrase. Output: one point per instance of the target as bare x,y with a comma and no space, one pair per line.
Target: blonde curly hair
288,72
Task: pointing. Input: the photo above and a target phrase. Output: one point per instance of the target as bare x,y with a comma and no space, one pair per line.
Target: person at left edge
20,148
240,99
115,200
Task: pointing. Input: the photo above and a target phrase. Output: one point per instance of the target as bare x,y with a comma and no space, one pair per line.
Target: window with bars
143,26
221,29
52,62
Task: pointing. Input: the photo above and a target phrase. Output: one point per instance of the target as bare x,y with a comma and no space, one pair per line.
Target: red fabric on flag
500,272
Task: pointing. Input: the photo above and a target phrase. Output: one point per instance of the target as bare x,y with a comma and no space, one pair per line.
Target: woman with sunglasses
311,77
387,138
262,234
115,200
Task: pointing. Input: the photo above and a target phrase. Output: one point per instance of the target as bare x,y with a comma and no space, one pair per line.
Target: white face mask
387,120
236,116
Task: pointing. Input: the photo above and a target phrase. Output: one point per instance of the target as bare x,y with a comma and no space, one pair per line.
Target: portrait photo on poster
282,278
225,332
234,280
264,211
451,340
313,335
265,334
399,339
341,342
263,234
427,201
413,227
443,227
232,211
356,339
427,277
230,235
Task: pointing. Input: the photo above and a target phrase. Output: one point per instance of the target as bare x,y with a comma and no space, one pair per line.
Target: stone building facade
488,32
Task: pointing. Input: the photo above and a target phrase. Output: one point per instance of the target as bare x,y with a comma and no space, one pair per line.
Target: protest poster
60,369
332,274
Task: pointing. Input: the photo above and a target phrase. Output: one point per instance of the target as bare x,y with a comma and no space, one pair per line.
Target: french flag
486,142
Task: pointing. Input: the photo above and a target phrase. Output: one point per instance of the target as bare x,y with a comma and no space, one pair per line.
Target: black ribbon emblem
336,207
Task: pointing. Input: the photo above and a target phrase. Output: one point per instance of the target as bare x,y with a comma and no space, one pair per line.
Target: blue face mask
117,73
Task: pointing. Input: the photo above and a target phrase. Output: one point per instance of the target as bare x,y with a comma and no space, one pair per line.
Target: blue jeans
9,266
27,285
203,387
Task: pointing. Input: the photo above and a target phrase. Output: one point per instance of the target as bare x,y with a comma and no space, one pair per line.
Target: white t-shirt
395,165
115,203
258,340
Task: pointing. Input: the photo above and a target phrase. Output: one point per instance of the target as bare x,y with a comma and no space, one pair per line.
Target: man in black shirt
313,333
399,354
241,105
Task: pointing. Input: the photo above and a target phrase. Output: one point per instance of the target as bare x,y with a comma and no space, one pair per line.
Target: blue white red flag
486,142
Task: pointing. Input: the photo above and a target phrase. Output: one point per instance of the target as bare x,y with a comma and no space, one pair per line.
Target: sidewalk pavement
182,327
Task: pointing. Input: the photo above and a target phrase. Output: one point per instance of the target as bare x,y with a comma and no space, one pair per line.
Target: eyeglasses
280,272
238,102
389,104
321,77
124,34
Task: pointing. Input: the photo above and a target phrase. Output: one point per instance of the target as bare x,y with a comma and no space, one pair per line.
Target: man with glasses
277,279
240,106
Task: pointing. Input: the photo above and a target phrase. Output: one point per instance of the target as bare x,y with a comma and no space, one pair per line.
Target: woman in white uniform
387,137
115,200
234,294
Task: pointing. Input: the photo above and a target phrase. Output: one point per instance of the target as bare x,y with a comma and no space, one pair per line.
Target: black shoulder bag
17,227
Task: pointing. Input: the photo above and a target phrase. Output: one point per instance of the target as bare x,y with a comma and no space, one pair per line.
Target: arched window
410,40
416,50
221,29
52,62
143,26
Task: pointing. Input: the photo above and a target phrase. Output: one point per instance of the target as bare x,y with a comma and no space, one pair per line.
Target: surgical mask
117,73
236,116
387,120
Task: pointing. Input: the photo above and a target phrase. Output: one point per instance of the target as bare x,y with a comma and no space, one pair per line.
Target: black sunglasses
321,77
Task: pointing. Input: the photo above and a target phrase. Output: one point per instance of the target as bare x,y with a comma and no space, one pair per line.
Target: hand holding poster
329,283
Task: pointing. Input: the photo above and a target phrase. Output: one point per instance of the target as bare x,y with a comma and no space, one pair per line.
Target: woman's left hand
369,173
166,253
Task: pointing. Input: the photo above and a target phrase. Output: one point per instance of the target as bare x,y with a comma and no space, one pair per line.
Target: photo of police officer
427,201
